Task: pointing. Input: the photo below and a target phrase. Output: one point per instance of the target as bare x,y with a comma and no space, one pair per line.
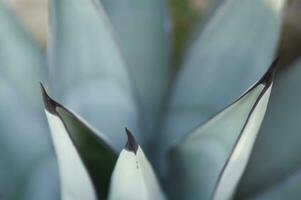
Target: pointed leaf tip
131,144
267,78
49,103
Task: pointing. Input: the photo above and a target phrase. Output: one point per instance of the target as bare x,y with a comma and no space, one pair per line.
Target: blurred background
185,13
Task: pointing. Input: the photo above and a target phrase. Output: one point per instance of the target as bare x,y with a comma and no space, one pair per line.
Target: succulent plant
208,136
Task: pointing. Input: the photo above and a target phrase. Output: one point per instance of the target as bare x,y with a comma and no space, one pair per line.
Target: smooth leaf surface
276,151
210,161
20,129
86,62
85,159
21,125
143,28
19,56
82,41
289,188
233,50
133,177
42,181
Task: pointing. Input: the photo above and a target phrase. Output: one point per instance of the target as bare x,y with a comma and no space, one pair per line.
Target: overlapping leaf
89,75
276,150
133,177
143,29
233,50
87,70
86,160
210,161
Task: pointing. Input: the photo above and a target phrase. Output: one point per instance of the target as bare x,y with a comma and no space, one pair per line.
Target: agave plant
108,64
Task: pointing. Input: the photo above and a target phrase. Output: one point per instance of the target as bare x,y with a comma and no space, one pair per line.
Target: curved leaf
210,161
86,160
133,177
86,62
232,51
276,152
144,31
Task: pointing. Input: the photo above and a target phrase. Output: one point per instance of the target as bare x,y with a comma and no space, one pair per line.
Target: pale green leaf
143,28
233,50
210,161
133,177
276,152
87,70
85,159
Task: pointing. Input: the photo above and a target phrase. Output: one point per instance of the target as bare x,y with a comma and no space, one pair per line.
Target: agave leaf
21,127
276,152
86,160
233,50
42,181
19,56
83,43
86,62
289,188
133,177
210,161
144,31
208,13
21,124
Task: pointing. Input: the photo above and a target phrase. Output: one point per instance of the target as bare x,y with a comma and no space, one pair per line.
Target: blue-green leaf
276,151
21,61
42,181
24,143
289,188
86,160
232,51
210,161
87,70
133,177
143,28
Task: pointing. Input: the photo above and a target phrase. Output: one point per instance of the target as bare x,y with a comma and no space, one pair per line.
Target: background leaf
143,28
42,181
289,188
20,56
20,129
25,149
86,62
